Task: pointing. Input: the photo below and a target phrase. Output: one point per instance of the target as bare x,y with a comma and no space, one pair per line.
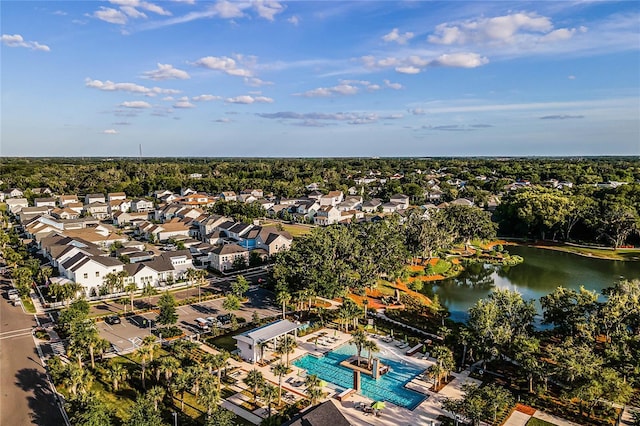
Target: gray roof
269,331
321,415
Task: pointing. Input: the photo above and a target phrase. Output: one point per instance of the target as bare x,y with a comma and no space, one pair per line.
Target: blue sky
320,78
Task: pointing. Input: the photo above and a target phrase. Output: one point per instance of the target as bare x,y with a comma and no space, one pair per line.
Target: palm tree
218,363
312,381
254,380
444,362
200,280
269,393
287,345
283,297
147,291
156,394
77,379
168,365
45,273
207,362
180,384
209,394
146,354
111,281
191,274
150,342
280,370
116,374
131,288
195,373
365,304
358,339
371,347
314,394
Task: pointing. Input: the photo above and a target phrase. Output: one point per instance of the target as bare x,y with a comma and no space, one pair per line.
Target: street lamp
175,418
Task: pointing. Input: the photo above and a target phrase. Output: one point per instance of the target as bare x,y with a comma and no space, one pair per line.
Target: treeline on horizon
584,212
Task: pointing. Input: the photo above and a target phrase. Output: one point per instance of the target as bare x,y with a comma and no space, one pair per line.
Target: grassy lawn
441,267
621,254
537,422
296,230
28,304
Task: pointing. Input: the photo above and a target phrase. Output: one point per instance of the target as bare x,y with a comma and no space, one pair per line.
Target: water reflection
541,273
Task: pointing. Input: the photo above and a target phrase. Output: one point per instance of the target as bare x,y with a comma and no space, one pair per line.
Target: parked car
212,320
13,294
224,318
202,324
112,319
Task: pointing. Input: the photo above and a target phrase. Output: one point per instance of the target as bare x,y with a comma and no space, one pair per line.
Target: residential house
197,200
257,193
90,271
16,204
390,207
371,206
115,206
273,241
134,255
41,191
434,194
14,193
161,193
125,218
44,202
246,198
99,210
265,204
187,191
308,208
115,196
401,200
209,224
63,200
64,213
94,198
75,206
333,198
141,205
327,215
27,213
350,203
222,258
228,196
315,195
180,260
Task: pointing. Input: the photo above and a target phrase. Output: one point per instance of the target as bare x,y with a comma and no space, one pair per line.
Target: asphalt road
25,394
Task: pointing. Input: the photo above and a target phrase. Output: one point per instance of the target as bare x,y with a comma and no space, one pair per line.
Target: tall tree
167,305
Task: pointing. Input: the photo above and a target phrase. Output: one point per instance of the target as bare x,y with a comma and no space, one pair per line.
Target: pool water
389,387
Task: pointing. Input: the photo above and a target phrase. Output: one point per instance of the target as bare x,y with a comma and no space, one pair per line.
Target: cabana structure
251,343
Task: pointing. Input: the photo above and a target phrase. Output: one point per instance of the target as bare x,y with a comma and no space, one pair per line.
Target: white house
327,215
371,206
94,198
228,196
254,343
222,258
333,198
99,210
141,205
90,271
401,200
16,204
114,196
350,203
44,202
63,200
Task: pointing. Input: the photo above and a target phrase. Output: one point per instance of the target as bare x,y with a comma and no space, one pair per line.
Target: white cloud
256,82
417,111
502,29
136,104
316,119
184,103
149,7
295,20
16,40
267,9
408,70
113,16
395,36
571,77
132,12
394,86
204,98
460,60
110,132
227,10
222,120
224,64
110,86
166,72
322,92
247,100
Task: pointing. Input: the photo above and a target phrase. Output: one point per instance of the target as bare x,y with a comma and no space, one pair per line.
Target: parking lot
127,335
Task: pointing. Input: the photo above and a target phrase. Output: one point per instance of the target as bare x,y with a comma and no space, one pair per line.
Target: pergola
249,343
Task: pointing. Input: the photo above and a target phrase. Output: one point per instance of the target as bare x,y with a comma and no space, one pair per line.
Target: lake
540,274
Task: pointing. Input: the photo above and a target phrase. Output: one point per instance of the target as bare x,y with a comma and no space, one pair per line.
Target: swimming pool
389,387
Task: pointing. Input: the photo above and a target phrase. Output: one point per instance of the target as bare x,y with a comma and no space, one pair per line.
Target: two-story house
94,198
222,258
333,198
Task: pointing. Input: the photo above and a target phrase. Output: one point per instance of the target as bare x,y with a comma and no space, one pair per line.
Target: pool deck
392,415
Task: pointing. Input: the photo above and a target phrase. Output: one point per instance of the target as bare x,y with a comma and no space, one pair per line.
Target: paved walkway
519,418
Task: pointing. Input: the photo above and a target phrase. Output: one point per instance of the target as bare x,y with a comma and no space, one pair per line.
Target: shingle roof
321,415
